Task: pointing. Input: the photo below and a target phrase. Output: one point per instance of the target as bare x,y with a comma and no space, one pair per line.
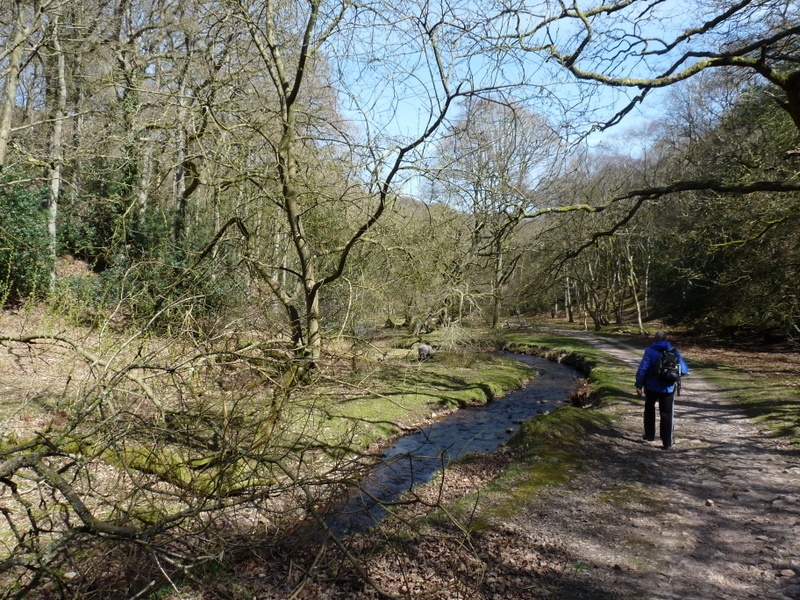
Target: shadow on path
716,517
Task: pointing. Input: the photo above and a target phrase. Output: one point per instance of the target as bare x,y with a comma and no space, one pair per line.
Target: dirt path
718,516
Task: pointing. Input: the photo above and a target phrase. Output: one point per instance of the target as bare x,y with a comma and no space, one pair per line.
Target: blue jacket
651,354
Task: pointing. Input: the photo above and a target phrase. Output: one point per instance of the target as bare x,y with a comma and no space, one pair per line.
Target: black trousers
666,410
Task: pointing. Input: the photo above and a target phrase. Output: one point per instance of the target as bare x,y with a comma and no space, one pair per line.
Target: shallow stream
416,457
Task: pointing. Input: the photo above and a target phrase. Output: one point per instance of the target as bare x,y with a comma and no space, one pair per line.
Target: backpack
667,368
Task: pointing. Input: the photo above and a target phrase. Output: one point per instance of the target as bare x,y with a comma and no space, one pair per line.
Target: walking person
658,376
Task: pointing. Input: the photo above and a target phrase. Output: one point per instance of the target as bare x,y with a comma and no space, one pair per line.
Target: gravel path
718,516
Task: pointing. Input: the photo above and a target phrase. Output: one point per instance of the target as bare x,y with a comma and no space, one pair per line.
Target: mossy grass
548,450
611,380
772,398
402,393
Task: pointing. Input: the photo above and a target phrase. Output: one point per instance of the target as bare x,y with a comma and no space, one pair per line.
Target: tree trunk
568,301
497,284
11,80
56,146
634,288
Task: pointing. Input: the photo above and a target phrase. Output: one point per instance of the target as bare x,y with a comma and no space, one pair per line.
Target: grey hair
661,335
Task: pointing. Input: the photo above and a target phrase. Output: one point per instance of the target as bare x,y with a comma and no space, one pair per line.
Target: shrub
26,262
167,291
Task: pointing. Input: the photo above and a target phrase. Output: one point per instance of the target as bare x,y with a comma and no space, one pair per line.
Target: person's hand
639,391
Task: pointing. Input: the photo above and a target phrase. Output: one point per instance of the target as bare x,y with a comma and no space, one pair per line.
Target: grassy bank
764,380
382,399
766,385
548,448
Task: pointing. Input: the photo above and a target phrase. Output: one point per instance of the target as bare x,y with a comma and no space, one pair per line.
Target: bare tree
21,35
492,160
657,46
58,85
335,43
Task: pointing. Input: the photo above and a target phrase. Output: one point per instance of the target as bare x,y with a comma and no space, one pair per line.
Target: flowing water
417,456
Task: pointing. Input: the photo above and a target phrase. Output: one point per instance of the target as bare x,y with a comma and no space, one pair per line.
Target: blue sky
390,74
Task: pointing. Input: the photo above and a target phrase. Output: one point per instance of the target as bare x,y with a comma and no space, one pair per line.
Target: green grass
611,380
772,399
402,393
549,451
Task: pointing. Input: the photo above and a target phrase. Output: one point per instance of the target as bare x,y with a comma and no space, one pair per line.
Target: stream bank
716,518
416,457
